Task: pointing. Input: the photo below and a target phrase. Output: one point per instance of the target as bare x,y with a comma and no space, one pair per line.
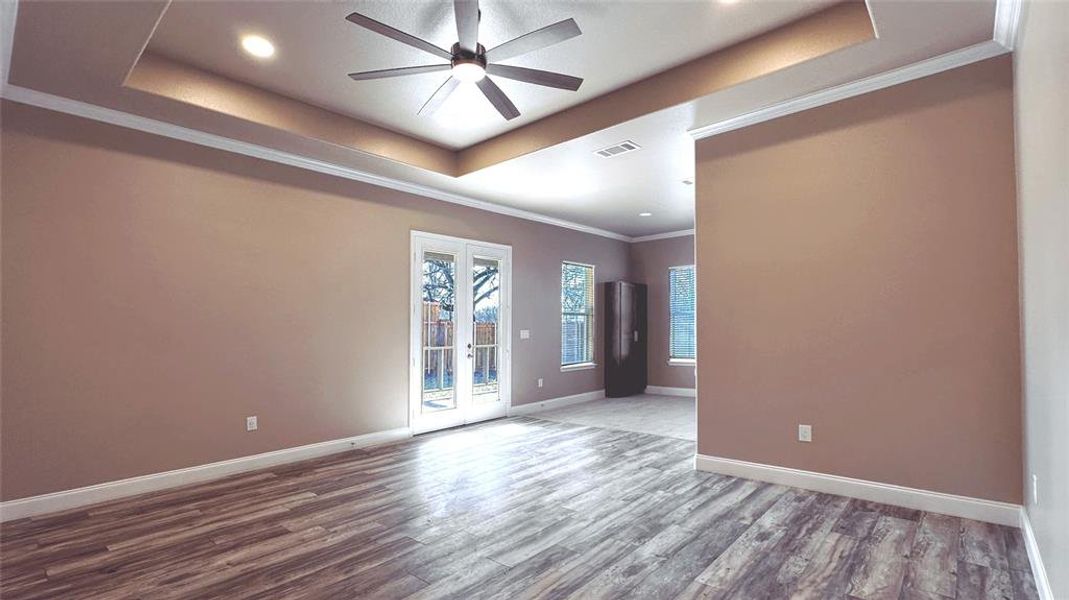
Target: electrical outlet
805,433
1035,489
525,334
540,382
251,424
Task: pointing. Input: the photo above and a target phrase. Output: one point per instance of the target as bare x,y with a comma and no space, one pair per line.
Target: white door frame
465,412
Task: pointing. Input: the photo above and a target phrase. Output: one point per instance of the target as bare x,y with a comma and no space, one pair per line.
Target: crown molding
1007,22
662,236
169,130
872,19
917,70
8,15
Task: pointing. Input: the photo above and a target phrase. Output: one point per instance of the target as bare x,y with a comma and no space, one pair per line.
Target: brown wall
857,271
1042,118
649,264
156,292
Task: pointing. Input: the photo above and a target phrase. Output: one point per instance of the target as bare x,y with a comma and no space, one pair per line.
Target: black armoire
625,338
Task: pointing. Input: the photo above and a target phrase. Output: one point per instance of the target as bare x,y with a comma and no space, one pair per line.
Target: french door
460,343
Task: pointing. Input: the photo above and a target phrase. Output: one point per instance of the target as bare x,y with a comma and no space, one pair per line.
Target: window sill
682,362
578,367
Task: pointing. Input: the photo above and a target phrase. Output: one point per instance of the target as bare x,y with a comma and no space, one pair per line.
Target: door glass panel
439,331
485,286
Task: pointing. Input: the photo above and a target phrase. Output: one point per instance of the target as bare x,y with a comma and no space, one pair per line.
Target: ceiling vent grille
617,149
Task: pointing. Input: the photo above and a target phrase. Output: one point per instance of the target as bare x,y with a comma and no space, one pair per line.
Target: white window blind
682,342
577,313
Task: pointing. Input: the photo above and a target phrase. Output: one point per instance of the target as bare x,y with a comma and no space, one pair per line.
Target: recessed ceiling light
645,214
729,1
258,46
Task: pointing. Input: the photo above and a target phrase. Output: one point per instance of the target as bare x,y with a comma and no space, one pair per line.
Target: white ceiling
571,181
623,41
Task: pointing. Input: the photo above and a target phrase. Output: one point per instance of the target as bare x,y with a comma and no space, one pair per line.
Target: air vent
617,149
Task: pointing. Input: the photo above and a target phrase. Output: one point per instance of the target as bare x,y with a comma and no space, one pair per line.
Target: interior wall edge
1035,558
1041,120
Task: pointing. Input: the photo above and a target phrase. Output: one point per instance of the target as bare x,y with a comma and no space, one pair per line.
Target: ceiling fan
469,61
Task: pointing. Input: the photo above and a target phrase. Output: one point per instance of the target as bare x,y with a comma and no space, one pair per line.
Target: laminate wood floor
668,416
516,508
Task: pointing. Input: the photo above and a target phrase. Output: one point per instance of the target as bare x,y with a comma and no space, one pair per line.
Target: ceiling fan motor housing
462,56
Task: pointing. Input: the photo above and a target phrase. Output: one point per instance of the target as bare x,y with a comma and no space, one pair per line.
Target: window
682,345
576,314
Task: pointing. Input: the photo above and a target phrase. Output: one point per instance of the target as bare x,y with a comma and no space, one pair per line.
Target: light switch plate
251,424
525,334
805,433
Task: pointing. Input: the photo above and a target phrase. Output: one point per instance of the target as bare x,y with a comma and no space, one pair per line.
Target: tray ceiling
622,42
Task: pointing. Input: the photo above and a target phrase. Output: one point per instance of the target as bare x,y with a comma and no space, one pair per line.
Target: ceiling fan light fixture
468,70
470,61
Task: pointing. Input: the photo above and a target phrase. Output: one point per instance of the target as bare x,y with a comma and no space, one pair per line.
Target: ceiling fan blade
546,78
439,96
467,13
399,71
547,36
397,34
498,98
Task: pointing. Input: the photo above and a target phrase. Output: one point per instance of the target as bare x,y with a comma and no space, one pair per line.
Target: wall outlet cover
805,433
251,424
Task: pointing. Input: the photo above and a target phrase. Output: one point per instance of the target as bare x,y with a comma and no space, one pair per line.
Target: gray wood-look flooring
668,416
516,508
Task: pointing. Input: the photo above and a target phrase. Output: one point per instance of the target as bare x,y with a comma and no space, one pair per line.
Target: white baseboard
977,509
534,407
1039,571
661,390
111,490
